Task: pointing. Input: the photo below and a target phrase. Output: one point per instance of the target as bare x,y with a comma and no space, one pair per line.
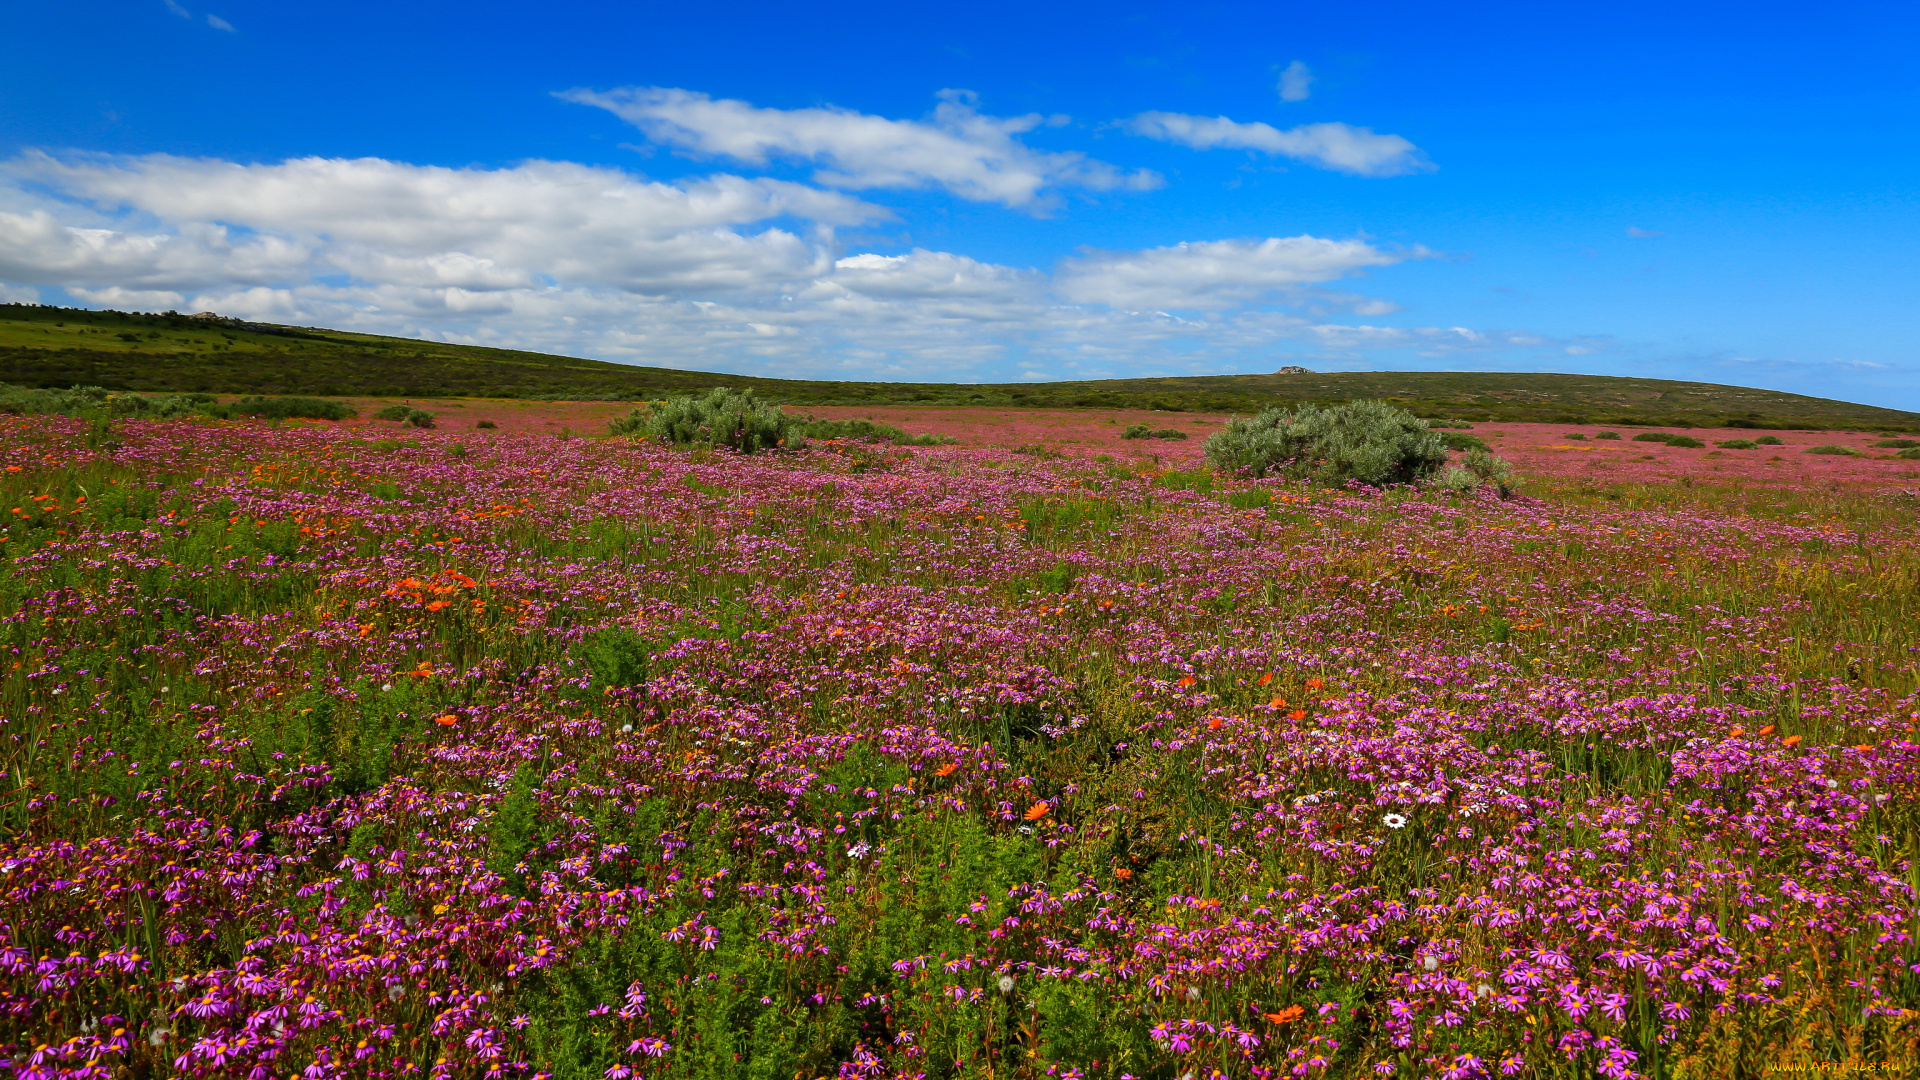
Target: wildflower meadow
335,751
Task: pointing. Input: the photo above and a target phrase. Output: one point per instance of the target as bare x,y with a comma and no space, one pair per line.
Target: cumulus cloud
718,272
959,150
1216,274
418,225
1340,147
1296,82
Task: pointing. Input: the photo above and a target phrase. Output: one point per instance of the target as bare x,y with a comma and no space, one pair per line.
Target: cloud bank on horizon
723,269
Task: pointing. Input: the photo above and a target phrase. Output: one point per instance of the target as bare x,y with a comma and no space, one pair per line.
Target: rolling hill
58,347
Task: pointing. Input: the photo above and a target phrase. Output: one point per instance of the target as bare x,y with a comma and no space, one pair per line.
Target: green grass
61,347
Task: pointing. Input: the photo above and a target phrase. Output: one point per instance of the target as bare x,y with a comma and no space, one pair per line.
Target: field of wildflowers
336,751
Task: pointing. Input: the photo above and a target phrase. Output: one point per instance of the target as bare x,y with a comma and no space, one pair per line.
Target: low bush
1897,444
1909,454
1609,435
1136,431
97,403
1835,450
1456,441
1575,436
1768,440
291,408
1461,425
1368,441
1736,444
871,431
406,414
1166,433
485,424
1687,441
734,419
1653,436
1477,469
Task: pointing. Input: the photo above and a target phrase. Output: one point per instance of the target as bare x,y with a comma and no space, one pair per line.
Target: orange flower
1297,714
1864,747
1315,684
423,671
1736,733
1186,680
1213,723
1123,873
447,720
1768,730
1791,740
1265,679
1286,1015
1037,811
1277,703
946,770
438,604
366,628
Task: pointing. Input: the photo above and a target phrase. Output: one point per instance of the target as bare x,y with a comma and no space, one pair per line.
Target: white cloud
1296,82
960,150
419,225
1341,147
219,23
1217,274
130,299
1639,233
719,272
174,6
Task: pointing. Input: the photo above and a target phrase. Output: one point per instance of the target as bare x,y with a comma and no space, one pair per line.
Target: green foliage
1653,436
734,419
1142,431
1685,441
617,657
1460,425
1368,441
1897,444
1769,440
1736,444
1457,441
94,402
287,408
1909,454
870,431
1575,436
406,414
1612,436
1835,450
485,425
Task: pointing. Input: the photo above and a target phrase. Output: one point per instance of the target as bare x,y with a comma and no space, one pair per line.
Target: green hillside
59,347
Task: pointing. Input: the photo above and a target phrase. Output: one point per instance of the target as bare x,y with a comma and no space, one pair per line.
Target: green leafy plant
1611,436
1769,440
1835,450
1136,431
1685,441
1457,441
1368,441
1897,444
406,414
734,419
1736,444
485,425
1653,436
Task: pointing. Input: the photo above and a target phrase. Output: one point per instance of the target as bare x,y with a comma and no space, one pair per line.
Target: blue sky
1000,192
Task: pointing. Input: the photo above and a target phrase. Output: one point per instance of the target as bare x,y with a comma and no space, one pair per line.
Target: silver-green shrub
734,419
1368,441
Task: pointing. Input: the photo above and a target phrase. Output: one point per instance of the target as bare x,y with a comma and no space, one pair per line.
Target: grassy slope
41,346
